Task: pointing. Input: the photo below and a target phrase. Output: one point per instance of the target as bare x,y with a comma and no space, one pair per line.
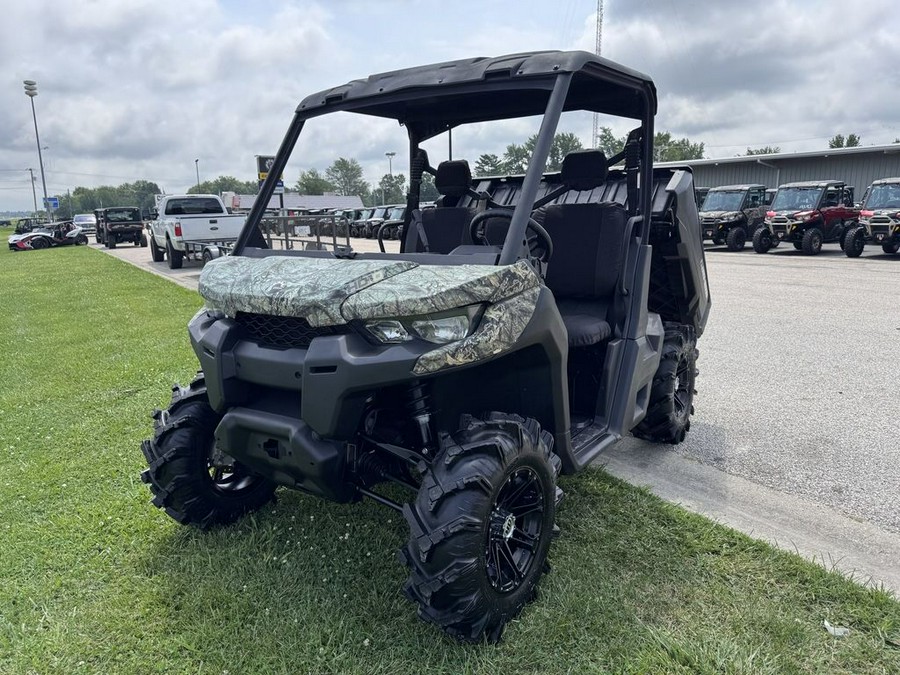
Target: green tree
392,189
838,141
224,184
668,149
488,165
665,148
346,175
767,150
609,143
516,157
427,190
313,183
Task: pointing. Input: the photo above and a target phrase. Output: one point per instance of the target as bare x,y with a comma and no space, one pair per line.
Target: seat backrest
587,249
447,225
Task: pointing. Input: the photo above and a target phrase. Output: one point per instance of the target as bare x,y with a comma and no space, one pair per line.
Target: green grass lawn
93,579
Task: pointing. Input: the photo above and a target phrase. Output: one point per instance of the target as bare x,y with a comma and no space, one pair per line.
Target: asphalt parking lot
798,384
795,432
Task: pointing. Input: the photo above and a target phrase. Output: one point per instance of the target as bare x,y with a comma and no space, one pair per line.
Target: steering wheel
539,243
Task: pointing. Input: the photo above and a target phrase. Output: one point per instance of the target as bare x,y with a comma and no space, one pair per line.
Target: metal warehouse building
855,166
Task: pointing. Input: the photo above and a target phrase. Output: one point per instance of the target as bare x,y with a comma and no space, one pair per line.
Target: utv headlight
389,331
440,328
443,330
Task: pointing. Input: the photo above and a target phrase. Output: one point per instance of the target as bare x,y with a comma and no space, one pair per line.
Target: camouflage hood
718,214
332,291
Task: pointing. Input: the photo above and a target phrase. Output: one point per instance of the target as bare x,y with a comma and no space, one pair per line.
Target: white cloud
139,89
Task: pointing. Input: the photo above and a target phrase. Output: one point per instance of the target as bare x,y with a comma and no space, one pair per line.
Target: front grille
283,332
879,229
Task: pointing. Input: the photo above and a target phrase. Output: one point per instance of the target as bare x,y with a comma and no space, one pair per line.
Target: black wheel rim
515,529
682,388
228,479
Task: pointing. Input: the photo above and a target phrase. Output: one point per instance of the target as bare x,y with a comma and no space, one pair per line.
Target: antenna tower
597,52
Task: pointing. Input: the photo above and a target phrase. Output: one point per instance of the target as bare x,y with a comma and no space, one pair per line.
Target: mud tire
671,402
737,239
890,248
812,241
855,242
453,523
178,458
762,240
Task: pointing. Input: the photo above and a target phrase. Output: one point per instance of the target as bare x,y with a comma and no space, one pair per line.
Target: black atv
879,219
731,214
527,324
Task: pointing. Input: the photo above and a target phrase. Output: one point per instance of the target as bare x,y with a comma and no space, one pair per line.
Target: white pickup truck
192,226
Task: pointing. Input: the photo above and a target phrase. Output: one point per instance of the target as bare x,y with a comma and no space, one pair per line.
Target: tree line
345,175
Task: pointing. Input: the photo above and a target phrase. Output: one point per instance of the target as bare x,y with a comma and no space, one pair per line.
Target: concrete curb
861,551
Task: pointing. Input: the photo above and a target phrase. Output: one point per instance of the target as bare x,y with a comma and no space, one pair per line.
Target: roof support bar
515,236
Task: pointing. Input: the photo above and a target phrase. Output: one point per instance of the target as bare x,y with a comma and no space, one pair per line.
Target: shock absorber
419,406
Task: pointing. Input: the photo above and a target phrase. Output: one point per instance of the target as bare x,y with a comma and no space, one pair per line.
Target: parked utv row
806,214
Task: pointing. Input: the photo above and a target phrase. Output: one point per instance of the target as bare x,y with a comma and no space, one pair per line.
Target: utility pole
597,43
197,167
31,91
33,192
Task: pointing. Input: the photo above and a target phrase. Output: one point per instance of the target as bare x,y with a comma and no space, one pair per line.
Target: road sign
279,186
51,202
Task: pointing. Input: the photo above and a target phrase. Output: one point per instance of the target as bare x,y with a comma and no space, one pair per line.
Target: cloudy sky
139,89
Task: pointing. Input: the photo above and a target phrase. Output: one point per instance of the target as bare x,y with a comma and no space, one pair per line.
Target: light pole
197,167
390,156
31,91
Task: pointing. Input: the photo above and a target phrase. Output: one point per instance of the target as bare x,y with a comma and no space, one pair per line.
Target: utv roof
435,97
886,181
813,183
748,186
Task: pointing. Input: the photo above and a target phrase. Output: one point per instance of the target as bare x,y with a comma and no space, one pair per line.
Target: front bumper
333,376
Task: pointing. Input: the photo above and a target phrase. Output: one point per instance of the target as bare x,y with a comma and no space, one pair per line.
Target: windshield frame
880,188
602,79
715,193
795,191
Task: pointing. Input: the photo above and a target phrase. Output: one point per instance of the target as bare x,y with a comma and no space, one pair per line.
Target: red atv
808,214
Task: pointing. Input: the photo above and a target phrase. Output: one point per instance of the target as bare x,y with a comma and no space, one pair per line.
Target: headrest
584,169
453,178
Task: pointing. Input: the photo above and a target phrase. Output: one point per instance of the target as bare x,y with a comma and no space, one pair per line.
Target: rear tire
890,247
736,239
797,245
481,526
142,240
762,240
855,242
185,481
175,258
671,401
111,240
81,240
812,241
157,254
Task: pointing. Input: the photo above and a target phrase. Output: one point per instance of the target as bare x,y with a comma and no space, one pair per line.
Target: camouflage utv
731,214
527,324
879,219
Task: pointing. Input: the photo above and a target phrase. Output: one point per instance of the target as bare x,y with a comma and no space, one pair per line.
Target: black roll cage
480,90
